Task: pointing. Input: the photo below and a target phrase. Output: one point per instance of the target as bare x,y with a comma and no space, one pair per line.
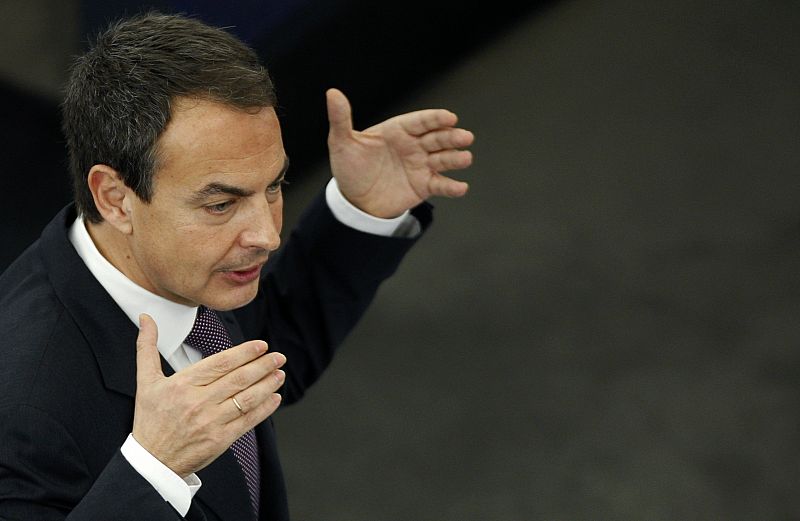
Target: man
177,163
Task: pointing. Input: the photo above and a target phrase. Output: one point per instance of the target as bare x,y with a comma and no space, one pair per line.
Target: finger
339,115
449,160
446,187
245,376
214,367
244,422
148,361
446,139
423,121
252,397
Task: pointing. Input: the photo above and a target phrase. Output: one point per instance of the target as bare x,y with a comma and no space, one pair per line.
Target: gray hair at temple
118,98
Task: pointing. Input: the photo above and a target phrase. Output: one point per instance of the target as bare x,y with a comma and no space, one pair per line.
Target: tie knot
208,335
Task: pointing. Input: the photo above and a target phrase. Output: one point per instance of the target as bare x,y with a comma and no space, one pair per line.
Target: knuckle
247,401
239,380
222,364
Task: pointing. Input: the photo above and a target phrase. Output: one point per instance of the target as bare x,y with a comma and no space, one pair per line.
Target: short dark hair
118,98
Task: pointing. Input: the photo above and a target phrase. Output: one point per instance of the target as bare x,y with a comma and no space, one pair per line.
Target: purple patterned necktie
209,336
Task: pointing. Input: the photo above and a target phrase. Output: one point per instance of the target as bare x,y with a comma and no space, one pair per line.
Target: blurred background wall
605,328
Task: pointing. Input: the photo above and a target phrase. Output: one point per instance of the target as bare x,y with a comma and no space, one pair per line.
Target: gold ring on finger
236,403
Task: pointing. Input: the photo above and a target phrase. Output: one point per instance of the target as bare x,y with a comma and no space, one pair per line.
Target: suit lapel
111,336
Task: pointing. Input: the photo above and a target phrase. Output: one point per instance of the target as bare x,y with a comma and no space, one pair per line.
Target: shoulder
32,322
27,299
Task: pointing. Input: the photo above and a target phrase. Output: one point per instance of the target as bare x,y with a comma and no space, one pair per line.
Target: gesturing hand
397,164
188,419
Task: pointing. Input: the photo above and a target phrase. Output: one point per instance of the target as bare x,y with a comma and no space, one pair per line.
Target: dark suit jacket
68,367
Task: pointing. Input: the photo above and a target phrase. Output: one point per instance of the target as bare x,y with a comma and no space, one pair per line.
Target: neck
113,246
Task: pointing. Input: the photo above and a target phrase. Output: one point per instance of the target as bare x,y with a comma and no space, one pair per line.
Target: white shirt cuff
406,225
175,490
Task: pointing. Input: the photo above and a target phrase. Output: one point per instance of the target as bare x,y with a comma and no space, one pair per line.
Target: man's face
216,210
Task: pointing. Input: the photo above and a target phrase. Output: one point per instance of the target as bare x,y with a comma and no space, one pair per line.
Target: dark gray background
607,326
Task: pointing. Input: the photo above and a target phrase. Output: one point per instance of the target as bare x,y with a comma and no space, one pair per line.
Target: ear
111,197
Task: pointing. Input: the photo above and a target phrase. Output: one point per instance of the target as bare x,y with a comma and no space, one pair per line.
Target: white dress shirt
175,321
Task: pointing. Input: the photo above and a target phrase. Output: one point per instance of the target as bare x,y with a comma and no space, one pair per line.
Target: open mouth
243,276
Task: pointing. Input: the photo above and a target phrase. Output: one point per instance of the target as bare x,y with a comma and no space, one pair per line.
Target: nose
261,230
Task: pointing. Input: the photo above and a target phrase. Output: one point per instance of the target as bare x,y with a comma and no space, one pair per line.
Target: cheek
170,252
190,259
182,251
277,214
206,247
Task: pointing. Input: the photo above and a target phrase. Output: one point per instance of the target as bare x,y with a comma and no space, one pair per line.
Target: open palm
395,165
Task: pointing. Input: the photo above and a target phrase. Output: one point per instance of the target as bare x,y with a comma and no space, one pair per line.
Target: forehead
209,139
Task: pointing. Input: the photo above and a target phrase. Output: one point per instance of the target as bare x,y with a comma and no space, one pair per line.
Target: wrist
354,217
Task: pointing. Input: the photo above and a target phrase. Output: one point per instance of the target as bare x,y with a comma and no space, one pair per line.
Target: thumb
148,362
339,115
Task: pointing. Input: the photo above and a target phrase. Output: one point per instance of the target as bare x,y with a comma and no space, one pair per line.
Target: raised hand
395,165
188,419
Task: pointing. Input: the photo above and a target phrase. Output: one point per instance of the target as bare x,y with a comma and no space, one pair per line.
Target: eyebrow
212,189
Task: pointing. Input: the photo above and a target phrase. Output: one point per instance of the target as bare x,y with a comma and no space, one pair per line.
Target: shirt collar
174,320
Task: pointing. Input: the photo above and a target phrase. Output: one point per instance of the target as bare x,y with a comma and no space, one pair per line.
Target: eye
219,208
276,187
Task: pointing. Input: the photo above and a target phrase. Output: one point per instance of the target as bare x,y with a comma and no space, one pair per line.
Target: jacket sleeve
44,477
316,288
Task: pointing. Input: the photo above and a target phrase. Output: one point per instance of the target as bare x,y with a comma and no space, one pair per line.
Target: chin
229,299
